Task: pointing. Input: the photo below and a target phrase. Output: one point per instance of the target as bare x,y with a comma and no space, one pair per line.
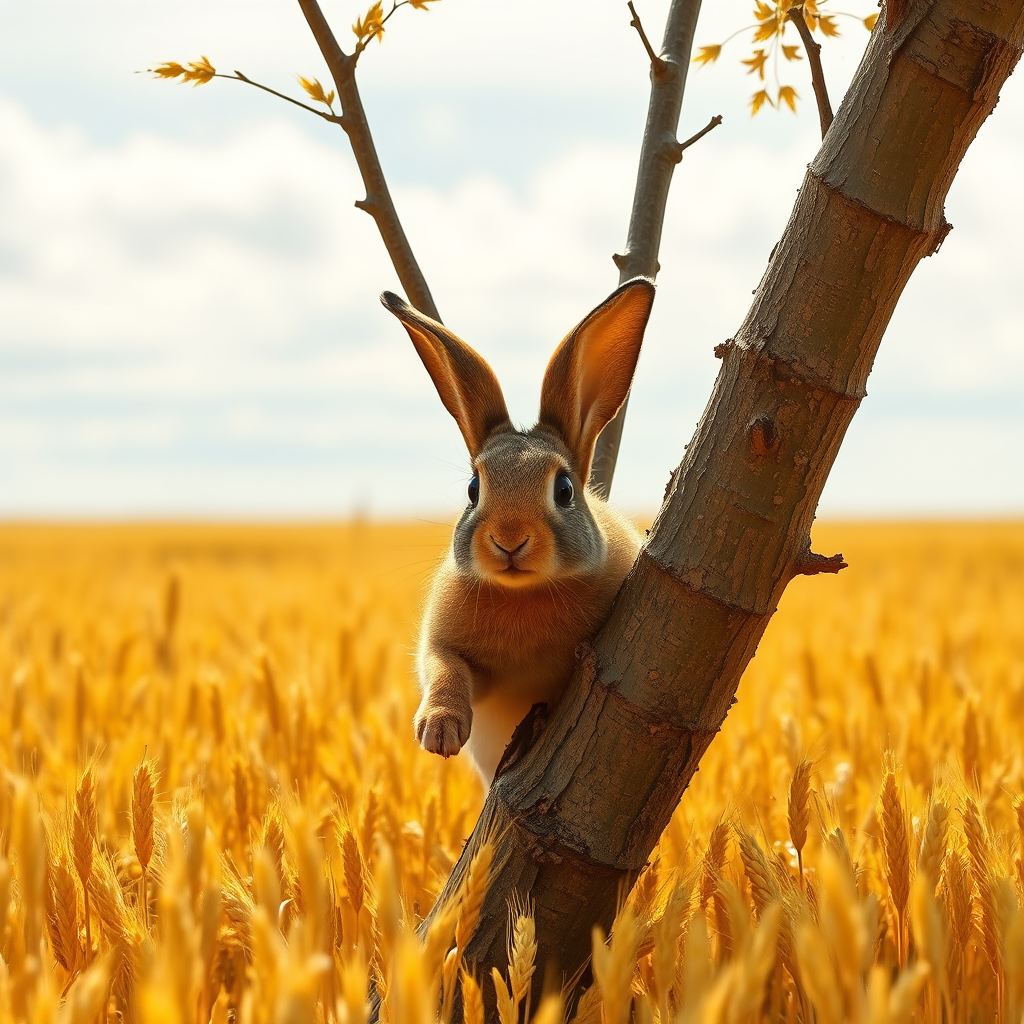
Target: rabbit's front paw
443,730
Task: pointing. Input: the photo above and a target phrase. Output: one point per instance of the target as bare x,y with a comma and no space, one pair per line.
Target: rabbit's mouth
514,572
511,556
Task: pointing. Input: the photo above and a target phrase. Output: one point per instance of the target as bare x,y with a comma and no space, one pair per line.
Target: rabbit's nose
507,547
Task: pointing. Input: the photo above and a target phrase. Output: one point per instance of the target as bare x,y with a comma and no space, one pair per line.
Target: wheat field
212,806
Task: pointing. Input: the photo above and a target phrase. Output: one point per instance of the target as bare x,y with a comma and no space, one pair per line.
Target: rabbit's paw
443,730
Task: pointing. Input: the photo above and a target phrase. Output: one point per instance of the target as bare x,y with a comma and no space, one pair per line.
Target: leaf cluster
771,21
198,72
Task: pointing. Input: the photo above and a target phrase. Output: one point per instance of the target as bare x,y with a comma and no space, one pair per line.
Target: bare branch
810,563
658,157
713,123
657,65
378,202
813,48
239,77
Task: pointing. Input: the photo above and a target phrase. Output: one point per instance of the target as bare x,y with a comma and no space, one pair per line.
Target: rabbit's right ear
589,375
467,385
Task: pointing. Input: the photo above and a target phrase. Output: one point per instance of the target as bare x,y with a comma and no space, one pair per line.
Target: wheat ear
799,811
711,865
933,842
82,839
470,905
142,828
978,852
472,1000
522,955
62,918
896,847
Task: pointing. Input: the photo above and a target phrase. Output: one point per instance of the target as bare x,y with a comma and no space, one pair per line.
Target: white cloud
190,321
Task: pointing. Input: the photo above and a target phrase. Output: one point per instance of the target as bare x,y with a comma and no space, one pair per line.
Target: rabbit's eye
474,491
563,490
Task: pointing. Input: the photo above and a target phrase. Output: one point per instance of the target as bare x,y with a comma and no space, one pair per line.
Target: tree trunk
577,815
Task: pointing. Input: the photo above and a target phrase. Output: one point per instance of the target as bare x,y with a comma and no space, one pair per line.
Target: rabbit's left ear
588,377
466,383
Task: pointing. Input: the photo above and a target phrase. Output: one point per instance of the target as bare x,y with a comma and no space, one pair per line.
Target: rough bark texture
659,155
578,814
378,202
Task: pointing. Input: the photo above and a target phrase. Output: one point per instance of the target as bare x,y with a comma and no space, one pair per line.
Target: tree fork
577,815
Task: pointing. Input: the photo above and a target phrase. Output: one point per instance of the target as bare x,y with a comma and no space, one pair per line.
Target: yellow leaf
763,11
787,95
421,5
707,55
756,63
169,69
313,88
758,100
810,8
372,24
828,25
199,71
790,53
869,21
330,98
766,29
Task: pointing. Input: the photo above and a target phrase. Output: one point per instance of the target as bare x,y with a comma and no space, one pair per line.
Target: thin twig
378,202
657,64
363,44
713,123
813,49
239,77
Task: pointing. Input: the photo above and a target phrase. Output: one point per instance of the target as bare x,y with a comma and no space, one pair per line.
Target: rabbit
537,557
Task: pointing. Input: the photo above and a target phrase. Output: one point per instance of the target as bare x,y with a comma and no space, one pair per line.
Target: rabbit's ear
589,375
467,385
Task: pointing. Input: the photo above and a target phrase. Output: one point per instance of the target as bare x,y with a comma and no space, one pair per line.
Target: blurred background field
262,679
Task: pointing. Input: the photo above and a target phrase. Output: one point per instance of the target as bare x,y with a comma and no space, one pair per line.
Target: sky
189,321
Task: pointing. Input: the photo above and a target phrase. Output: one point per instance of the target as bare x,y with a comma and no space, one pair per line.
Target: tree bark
659,154
577,815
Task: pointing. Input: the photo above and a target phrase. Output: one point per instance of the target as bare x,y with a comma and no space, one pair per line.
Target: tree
580,803
580,811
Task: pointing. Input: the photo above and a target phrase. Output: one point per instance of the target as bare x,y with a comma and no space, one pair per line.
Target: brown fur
526,579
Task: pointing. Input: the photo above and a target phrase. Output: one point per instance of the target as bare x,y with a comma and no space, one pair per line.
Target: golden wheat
212,806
